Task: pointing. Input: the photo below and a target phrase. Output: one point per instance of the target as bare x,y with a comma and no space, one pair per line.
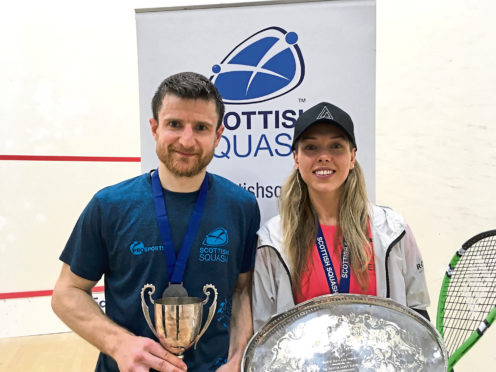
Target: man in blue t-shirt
177,224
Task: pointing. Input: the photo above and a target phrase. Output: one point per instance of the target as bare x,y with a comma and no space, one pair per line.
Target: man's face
186,134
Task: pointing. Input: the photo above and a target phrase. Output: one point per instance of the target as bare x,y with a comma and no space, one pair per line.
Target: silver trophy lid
346,333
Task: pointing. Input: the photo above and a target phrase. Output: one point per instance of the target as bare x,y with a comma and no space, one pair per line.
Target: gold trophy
178,319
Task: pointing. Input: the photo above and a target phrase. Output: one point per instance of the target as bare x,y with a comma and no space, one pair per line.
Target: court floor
50,353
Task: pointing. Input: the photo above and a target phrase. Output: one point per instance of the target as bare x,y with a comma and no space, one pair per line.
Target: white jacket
398,264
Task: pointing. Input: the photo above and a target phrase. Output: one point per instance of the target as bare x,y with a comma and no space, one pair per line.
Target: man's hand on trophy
137,354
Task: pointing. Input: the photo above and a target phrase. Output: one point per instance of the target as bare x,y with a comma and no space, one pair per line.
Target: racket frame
484,325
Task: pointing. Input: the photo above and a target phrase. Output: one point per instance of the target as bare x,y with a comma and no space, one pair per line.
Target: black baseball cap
324,112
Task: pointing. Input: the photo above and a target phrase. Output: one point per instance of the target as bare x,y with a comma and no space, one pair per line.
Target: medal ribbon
325,258
177,267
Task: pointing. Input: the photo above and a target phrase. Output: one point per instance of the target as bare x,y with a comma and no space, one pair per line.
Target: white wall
436,126
69,86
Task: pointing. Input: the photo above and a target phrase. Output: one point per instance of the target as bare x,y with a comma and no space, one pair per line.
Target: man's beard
181,167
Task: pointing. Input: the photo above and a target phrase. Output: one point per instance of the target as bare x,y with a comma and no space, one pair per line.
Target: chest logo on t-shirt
211,249
216,238
138,248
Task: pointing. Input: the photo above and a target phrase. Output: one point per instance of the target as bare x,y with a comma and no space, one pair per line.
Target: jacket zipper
387,258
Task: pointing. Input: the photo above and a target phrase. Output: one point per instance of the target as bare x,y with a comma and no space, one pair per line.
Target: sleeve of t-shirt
251,240
85,251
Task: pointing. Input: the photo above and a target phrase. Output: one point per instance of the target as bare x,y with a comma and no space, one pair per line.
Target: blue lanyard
177,267
344,282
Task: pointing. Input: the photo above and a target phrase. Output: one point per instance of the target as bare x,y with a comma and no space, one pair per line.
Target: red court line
30,294
136,159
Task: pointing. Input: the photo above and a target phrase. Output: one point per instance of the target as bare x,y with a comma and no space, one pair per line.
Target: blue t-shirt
117,236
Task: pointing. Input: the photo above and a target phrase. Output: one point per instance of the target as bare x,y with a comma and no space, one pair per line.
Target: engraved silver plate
346,333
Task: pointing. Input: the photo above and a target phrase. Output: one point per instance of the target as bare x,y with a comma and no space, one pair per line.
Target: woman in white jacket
328,237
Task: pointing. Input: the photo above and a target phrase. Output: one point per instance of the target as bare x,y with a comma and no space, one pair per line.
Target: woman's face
324,158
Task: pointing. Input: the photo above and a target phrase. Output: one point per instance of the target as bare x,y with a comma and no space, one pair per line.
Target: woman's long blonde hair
299,224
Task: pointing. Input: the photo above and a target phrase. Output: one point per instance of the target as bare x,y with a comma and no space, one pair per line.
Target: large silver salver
178,319
346,333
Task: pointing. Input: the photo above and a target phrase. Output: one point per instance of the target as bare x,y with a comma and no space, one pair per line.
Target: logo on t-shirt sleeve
213,246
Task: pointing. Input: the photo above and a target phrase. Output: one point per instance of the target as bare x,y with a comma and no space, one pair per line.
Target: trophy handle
144,306
211,310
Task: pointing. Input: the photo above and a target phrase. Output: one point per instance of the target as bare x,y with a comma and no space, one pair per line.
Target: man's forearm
241,321
73,303
80,312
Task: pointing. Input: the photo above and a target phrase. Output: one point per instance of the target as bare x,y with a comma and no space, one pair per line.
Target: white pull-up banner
270,61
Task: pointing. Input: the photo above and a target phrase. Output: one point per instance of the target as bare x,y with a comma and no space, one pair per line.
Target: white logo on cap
325,114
